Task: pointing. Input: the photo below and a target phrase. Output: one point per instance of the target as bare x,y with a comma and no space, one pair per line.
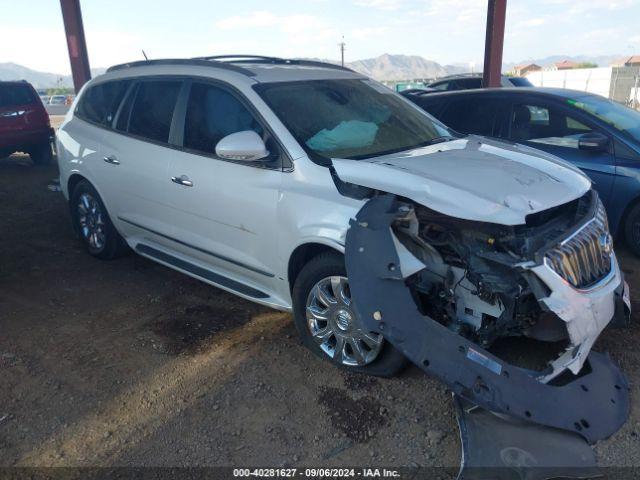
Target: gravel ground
129,363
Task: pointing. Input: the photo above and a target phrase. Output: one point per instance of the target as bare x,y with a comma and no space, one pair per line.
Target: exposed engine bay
475,281
444,289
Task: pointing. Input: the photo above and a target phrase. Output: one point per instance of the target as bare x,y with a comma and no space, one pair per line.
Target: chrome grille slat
584,258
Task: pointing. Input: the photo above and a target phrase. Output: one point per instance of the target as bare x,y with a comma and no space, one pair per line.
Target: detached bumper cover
594,405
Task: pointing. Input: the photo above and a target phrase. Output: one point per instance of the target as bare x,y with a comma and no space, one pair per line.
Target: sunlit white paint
472,178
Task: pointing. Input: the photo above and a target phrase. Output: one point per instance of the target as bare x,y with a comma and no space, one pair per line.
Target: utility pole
342,45
496,14
77,45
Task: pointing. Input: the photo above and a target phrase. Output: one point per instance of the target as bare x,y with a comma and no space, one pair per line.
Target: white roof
236,72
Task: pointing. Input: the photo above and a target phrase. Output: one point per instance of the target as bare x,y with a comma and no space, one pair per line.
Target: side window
468,83
472,115
152,109
429,105
440,86
212,114
545,124
122,123
100,102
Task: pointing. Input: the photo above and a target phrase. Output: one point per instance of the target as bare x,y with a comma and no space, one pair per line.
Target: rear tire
360,351
42,154
92,223
632,229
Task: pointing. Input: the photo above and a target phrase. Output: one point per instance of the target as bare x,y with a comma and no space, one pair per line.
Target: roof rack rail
202,62
271,60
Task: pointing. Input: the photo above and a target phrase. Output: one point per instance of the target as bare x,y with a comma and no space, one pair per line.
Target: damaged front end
444,290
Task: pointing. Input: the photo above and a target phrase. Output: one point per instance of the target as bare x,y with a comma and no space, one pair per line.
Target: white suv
246,172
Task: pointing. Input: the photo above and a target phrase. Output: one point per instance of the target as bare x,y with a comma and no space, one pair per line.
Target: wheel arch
620,230
73,180
305,252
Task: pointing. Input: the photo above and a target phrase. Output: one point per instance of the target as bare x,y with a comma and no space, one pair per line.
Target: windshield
623,119
350,118
520,82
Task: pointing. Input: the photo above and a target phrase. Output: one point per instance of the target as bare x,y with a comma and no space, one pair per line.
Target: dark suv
24,123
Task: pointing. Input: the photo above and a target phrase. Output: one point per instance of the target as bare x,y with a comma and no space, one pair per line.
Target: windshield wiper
442,138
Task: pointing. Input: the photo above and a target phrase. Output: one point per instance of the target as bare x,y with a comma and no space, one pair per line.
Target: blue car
597,135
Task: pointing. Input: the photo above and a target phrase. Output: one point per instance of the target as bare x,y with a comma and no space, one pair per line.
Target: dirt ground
130,363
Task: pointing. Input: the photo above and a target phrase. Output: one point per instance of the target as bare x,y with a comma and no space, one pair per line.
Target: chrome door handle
182,180
111,159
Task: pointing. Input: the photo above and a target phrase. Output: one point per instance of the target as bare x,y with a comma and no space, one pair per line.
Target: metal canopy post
74,31
496,15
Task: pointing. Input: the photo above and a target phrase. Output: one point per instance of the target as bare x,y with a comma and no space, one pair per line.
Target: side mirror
245,146
593,141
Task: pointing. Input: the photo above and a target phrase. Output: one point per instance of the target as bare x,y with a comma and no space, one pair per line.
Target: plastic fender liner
594,405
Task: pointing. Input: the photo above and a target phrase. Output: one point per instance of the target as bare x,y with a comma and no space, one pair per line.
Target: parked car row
57,99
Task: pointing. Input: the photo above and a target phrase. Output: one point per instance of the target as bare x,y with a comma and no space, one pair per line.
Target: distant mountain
40,80
383,67
600,60
398,67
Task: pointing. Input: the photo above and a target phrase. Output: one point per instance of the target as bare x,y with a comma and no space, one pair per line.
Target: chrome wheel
91,221
336,328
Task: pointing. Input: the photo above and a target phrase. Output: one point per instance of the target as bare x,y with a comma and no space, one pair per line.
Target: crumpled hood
473,178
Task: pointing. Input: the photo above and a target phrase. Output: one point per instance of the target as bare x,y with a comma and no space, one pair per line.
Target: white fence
593,80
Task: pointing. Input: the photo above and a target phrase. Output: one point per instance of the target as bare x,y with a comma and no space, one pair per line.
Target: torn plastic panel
503,448
594,405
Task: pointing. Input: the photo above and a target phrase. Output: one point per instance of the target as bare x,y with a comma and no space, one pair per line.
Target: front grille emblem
606,243
584,258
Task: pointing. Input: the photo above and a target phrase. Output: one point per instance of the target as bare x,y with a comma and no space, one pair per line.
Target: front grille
584,258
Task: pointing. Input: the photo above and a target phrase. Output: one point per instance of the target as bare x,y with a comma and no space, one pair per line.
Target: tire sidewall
42,155
634,217
112,238
389,361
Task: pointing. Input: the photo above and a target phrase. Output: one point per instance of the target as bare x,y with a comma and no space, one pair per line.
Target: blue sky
447,31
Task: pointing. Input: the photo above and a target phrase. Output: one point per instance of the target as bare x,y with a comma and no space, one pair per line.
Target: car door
136,157
224,212
549,126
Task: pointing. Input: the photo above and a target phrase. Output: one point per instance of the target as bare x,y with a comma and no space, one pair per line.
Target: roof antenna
145,55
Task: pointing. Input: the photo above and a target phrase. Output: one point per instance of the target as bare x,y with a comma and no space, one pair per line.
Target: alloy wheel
91,221
336,328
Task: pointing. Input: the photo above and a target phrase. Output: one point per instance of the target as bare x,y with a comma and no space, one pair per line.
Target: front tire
93,225
42,154
328,325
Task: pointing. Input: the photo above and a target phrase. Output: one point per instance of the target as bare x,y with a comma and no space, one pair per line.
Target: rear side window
430,105
468,83
472,115
152,109
100,102
440,86
15,95
520,82
212,114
